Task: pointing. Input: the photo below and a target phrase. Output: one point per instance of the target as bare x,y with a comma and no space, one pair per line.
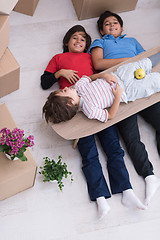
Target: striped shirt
94,97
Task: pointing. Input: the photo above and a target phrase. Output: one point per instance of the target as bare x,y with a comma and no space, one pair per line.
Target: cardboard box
9,73
80,126
93,8
4,33
26,6
6,6
15,176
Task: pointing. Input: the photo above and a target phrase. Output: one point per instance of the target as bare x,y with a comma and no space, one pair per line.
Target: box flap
8,63
4,33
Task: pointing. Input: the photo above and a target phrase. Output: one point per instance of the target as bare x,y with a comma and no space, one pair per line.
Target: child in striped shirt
88,96
107,91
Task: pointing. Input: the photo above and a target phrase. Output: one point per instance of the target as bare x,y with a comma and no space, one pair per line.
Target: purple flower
13,142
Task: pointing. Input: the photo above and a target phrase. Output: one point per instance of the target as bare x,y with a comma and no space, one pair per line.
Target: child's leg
118,174
152,116
155,59
97,186
130,134
92,169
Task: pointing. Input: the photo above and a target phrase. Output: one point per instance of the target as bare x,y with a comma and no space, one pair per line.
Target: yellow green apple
139,73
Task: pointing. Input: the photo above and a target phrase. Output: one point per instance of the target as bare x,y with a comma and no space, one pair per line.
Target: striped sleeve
95,113
82,81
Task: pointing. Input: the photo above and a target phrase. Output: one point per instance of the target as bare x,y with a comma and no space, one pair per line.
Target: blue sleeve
139,47
96,43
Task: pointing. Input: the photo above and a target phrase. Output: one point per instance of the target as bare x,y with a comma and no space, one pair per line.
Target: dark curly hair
105,15
71,31
59,109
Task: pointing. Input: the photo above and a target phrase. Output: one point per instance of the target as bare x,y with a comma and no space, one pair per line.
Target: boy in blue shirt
113,49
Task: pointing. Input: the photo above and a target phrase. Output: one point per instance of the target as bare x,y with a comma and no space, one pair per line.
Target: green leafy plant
55,171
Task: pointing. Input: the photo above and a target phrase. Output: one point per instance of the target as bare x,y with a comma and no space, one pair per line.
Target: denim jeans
117,172
129,131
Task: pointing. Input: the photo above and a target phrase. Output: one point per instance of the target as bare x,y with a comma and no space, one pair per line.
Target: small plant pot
55,171
15,143
9,157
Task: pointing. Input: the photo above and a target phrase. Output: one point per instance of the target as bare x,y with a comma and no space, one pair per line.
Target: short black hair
105,15
71,31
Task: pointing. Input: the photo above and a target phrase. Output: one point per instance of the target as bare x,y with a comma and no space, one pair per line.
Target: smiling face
111,26
69,92
77,42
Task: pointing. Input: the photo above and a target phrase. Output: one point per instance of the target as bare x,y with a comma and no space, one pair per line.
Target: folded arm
100,63
110,78
69,74
114,108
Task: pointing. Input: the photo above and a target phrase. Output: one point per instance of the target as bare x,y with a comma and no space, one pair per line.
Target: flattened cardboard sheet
27,7
9,73
6,6
93,8
15,176
80,126
4,33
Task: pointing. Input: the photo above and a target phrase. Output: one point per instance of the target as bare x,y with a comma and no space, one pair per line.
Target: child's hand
117,91
70,75
110,78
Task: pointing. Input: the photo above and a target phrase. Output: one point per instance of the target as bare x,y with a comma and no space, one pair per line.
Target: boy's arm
100,63
103,114
110,78
114,108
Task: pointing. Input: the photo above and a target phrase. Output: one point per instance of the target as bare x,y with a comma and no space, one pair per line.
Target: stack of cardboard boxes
9,68
93,8
26,6
15,176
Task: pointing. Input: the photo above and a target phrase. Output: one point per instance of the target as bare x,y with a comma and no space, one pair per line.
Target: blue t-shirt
120,47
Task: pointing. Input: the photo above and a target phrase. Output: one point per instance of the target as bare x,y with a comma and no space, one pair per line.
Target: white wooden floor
43,212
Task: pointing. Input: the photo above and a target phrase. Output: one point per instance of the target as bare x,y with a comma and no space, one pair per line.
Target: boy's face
69,92
111,26
77,42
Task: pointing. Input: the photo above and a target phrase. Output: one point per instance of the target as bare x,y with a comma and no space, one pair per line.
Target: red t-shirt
80,62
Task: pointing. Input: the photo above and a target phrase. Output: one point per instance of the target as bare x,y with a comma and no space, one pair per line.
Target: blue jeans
118,174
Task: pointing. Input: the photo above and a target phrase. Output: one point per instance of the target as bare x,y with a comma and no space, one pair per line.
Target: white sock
152,184
103,207
129,199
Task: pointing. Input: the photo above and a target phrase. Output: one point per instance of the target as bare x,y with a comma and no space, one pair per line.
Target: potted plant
14,144
55,171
